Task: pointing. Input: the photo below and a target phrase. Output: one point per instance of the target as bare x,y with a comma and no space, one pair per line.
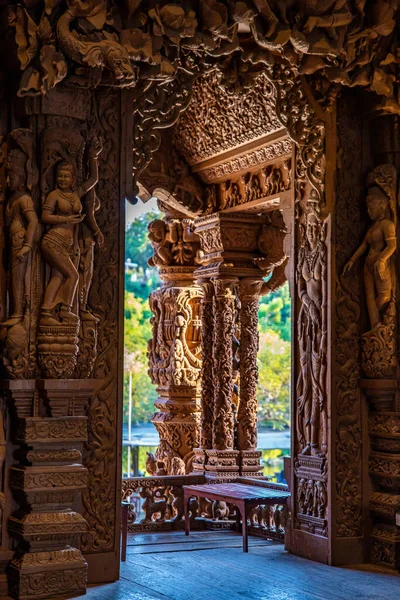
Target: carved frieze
246,162
254,186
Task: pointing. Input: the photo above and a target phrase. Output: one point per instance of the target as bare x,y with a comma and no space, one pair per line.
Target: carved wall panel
348,476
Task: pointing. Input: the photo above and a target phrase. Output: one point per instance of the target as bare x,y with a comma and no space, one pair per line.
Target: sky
133,212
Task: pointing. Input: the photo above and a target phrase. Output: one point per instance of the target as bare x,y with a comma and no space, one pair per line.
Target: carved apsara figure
311,285
381,243
90,235
22,223
63,211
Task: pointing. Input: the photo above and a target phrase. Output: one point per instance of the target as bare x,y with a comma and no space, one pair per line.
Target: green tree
137,334
140,278
273,389
275,313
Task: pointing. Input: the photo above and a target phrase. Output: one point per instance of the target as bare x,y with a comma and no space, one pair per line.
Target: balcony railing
156,504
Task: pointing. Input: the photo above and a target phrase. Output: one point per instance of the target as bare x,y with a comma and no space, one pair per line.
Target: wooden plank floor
212,566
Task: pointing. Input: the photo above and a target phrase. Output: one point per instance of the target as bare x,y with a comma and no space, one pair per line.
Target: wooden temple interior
269,132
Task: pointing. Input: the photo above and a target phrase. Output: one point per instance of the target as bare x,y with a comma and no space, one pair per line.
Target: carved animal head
112,56
151,463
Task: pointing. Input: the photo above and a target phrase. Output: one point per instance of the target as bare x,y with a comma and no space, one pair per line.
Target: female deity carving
311,285
63,211
22,223
380,241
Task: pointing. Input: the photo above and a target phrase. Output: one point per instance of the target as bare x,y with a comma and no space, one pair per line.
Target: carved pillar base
178,427
222,464
58,349
384,470
57,574
47,486
311,495
250,463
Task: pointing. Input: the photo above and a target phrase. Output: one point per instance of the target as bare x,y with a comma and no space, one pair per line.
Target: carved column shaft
247,414
174,350
249,344
207,382
223,423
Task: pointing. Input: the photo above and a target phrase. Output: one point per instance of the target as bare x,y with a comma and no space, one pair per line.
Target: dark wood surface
191,569
239,491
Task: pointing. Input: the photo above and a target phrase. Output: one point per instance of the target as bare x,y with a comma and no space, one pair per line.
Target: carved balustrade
156,504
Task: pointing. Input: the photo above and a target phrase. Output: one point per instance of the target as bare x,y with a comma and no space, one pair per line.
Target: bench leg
243,512
238,528
186,500
124,515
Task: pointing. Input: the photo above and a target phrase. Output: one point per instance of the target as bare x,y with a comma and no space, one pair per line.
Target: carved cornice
246,162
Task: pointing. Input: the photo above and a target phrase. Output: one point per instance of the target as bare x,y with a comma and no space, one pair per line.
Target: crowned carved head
65,176
16,171
377,203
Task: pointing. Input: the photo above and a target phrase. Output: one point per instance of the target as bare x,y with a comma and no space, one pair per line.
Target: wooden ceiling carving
218,120
348,43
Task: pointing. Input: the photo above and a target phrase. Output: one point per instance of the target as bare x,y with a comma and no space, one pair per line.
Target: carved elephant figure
256,516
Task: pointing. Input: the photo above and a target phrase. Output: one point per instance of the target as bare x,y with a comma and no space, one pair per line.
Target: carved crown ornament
347,43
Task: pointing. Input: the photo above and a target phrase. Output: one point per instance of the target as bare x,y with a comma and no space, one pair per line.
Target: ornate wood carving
204,131
348,474
252,159
174,351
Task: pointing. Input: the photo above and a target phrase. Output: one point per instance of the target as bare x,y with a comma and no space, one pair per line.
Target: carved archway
125,80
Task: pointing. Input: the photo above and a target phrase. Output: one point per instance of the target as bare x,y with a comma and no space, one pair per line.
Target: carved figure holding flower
63,211
380,242
312,328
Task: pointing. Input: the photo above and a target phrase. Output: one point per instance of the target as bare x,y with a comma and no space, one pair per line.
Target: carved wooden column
222,458
249,292
207,380
174,351
230,251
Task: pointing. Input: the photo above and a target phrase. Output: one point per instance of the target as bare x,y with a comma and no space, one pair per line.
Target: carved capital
224,288
250,288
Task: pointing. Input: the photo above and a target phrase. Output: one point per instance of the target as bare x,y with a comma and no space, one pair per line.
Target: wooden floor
212,566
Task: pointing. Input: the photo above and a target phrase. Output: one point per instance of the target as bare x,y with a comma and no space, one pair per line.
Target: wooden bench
244,497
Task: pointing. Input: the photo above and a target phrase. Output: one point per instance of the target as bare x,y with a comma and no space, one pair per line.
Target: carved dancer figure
90,234
22,223
311,285
379,277
63,210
